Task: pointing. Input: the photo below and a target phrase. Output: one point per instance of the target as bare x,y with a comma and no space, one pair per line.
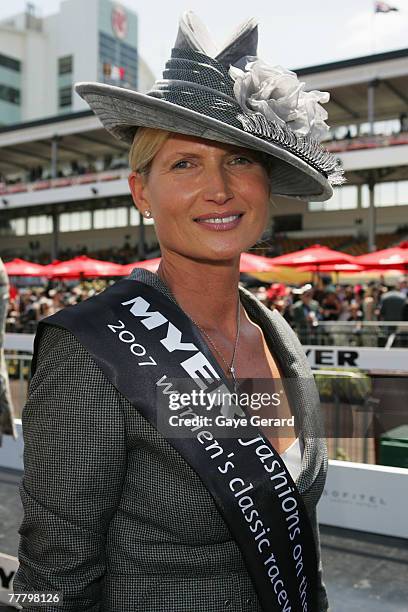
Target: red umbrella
84,267
314,257
255,263
21,267
387,259
147,264
248,263
48,269
347,267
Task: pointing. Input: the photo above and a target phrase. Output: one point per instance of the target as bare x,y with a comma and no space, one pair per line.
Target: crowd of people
310,309
317,311
126,253
66,170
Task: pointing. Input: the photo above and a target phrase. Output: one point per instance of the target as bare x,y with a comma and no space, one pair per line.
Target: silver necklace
231,367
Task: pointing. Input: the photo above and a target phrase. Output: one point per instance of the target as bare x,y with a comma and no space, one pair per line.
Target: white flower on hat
279,96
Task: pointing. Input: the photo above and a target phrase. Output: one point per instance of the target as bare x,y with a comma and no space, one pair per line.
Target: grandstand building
41,58
64,178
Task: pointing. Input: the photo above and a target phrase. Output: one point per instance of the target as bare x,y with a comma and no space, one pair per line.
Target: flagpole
373,32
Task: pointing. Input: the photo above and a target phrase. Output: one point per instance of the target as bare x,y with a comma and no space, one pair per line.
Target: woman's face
191,177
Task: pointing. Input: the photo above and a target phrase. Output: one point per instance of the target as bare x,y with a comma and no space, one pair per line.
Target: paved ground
363,572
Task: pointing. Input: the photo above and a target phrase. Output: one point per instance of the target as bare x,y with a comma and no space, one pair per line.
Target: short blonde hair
146,143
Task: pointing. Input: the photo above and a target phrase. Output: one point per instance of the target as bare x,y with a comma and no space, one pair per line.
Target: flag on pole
383,7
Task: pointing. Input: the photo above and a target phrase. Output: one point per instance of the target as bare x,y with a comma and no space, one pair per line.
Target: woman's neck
206,292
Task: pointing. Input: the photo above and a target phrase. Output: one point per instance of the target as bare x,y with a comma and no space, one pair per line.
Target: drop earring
147,213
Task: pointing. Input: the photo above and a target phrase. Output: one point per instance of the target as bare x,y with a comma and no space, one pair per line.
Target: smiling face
191,178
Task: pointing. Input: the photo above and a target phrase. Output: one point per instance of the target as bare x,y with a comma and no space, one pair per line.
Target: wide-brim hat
231,97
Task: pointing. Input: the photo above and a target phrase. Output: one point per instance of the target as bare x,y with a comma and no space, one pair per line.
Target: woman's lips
217,224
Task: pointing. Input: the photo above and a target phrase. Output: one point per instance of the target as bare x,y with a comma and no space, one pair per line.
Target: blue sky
293,33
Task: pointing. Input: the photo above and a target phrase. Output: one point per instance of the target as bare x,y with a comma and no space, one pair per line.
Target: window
9,94
134,216
12,227
18,227
39,224
10,63
65,96
75,221
343,198
392,193
65,64
110,217
402,192
386,194
121,58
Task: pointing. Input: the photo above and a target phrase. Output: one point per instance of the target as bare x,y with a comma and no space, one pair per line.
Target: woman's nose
217,187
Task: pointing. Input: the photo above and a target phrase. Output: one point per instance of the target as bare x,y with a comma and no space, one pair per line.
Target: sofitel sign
119,22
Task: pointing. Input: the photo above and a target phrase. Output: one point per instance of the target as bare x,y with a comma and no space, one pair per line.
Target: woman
125,510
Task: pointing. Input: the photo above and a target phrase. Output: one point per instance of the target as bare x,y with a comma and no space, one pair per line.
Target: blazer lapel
289,353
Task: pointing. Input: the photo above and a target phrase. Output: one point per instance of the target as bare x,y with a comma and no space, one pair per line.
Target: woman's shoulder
53,340
59,354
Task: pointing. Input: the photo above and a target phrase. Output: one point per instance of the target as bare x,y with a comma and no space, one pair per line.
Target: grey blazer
114,517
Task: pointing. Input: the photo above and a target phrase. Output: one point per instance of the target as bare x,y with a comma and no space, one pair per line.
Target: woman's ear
137,185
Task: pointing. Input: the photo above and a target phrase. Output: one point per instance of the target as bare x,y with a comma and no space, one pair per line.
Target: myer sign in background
356,357
371,498
318,356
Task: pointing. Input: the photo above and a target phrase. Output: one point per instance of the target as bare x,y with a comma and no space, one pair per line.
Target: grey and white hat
231,96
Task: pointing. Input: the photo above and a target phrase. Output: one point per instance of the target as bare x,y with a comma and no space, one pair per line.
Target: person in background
330,306
305,314
7,426
403,122
370,302
403,285
392,304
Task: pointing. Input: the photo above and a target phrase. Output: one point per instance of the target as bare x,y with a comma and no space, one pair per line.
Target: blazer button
248,600
227,603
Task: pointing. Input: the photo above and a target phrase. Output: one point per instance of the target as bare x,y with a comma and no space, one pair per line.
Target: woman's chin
227,257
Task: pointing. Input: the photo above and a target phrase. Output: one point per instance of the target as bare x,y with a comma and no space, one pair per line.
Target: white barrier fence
371,498
319,356
19,342
8,568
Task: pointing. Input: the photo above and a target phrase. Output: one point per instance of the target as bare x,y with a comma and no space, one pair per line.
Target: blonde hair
146,143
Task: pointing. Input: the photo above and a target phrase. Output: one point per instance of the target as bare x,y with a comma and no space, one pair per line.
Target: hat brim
122,111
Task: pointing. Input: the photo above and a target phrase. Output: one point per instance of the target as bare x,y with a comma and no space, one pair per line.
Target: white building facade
41,58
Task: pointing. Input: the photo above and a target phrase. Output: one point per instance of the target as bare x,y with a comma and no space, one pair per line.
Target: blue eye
181,165
241,160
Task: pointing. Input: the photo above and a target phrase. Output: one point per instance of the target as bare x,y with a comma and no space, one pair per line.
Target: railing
18,367
366,142
67,181
383,334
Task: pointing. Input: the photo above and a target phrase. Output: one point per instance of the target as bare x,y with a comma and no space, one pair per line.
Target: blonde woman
134,500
